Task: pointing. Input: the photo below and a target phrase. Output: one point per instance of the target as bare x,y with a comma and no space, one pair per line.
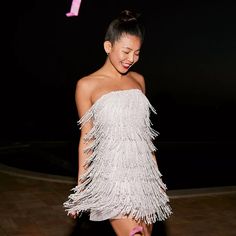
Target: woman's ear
107,47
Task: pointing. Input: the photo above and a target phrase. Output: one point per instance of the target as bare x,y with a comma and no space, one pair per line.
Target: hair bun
127,16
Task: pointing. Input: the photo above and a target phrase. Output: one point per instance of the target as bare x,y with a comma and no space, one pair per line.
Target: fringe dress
122,178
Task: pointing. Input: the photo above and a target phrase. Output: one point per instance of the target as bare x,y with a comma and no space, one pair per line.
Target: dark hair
126,23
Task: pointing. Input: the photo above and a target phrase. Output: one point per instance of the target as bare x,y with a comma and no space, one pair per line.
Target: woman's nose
131,57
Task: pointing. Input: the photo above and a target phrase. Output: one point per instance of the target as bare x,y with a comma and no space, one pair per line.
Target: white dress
122,177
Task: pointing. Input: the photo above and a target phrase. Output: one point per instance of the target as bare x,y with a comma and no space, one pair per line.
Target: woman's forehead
128,40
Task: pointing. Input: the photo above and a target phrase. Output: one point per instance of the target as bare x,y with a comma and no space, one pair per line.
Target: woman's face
125,52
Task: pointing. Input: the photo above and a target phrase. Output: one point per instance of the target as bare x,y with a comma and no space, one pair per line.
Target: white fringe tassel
121,176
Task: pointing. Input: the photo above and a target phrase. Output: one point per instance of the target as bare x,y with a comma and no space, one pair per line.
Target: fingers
73,215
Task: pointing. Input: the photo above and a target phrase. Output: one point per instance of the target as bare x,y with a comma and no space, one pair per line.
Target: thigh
124,226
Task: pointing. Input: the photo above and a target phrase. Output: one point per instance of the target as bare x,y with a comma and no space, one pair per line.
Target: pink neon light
74,10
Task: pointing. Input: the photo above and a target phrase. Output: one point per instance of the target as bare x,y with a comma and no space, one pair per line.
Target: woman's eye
125,52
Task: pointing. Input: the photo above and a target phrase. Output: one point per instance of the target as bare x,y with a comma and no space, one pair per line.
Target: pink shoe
135,230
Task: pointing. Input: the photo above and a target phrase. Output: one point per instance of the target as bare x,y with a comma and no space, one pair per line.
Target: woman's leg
125,226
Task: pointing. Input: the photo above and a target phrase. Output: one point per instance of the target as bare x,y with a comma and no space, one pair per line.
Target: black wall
188,59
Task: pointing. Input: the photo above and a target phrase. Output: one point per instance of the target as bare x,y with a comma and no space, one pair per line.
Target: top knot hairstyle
126,23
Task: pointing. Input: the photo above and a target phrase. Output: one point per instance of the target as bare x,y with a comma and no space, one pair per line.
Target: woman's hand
73,215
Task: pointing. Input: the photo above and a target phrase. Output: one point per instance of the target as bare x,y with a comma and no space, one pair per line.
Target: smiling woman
118,176
123,40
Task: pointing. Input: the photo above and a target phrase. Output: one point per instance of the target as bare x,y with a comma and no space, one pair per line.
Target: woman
118,176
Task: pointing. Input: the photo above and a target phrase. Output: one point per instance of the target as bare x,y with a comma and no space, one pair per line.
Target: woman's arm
154,157
83,104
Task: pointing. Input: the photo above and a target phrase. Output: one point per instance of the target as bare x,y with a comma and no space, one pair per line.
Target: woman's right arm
83,104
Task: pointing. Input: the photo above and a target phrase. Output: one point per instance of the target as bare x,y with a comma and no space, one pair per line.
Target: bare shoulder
83,85
83,93
139,79
86,85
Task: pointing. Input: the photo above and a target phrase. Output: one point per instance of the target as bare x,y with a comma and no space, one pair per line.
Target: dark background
188,60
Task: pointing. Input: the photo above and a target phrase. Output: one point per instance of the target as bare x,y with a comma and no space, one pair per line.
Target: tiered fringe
121,178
